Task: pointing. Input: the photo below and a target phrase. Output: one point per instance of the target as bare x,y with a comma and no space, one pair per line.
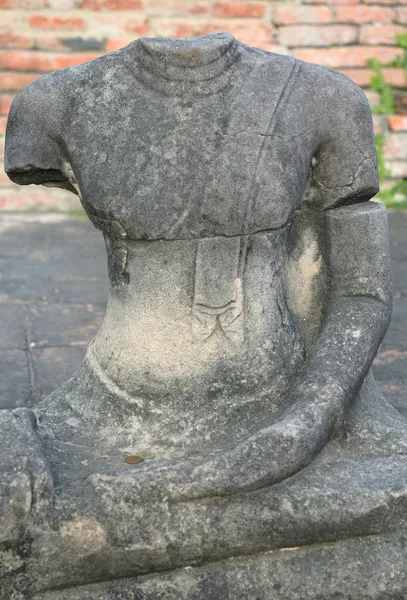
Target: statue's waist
205,403
210,343
204,309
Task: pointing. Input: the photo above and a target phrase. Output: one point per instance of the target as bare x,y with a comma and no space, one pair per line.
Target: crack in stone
220,235
348,185
266,135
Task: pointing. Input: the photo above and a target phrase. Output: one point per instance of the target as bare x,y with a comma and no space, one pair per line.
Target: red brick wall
37,36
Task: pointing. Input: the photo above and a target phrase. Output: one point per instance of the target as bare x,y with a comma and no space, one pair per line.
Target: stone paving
53,291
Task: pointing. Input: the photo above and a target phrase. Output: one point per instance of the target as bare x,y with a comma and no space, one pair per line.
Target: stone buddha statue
224,437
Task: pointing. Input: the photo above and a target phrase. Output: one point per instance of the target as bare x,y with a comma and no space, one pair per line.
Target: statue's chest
174,169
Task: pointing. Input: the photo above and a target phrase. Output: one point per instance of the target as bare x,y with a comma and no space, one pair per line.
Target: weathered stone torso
198,338
194,182
234,357
217,158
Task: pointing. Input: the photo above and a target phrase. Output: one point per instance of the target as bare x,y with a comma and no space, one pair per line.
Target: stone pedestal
368,568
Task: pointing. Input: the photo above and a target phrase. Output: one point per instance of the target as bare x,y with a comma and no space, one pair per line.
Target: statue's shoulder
331,88
313,85
58,87
265,64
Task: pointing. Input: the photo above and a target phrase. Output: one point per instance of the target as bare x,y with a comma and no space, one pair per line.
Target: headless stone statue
224,437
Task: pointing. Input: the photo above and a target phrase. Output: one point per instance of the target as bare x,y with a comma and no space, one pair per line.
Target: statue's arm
357,310
34,150
357,313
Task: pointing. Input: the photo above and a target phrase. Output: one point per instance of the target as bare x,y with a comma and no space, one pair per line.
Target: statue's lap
113,538
348,491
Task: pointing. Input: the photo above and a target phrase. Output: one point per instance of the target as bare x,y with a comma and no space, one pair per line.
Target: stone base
364,568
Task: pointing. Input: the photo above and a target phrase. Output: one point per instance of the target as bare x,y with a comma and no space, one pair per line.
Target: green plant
401,61
397,194
388,198
386,104
381,163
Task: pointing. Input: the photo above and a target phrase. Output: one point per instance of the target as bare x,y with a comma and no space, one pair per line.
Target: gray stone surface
19,237
225,408
351,570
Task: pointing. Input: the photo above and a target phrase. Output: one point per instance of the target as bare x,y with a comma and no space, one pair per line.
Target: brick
198,8
373,97
241,10
52,43
5,103
177,8
401,15
290,14
180,28
360,14
12,40
391,2
139,28
360,76
401,103
34,4
41,42
324,35
17,60
7,3
351,56
117,43
112,4
10,81
274,48
398,122
114,25
3,123
394,77
56,4
395,146
398,168
4,180
252,33
372,34
333,2
379,124
45,22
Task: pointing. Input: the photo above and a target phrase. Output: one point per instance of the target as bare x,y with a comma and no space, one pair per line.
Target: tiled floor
53,291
